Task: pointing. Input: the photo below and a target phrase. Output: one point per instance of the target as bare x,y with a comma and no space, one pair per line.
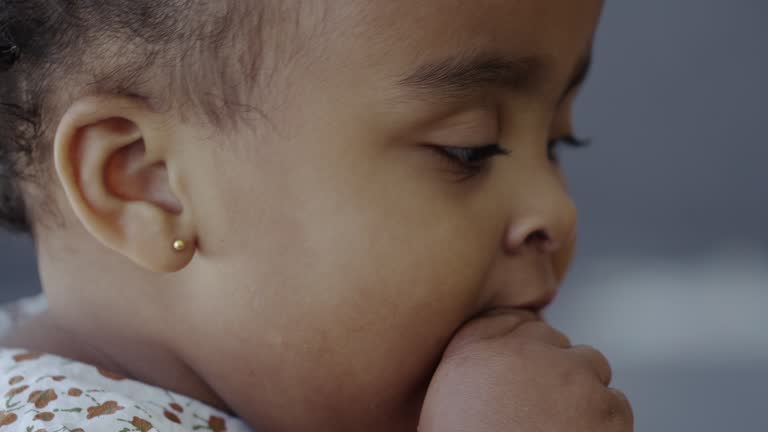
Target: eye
568,141
471,160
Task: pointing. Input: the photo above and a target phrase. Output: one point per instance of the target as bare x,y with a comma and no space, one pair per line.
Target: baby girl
262,215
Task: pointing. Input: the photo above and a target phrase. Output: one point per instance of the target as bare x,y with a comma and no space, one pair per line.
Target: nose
545,222
536,242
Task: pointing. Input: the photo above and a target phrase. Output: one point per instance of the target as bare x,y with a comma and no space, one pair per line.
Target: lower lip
505,310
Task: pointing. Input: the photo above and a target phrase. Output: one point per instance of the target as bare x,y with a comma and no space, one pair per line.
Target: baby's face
341,244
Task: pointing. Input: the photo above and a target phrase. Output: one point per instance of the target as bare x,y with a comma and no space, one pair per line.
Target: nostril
537,238
521,238
542,241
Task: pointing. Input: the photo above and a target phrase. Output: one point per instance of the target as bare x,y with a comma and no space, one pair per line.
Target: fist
513,372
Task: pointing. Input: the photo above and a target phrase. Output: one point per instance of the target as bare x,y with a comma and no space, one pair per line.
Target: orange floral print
111,375
44,391
217,424
172,417
41,399
141,424
18,358
17,390
7,418
107,408
45,416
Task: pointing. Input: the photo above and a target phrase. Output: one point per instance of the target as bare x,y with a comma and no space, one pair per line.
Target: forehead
422,30
364,46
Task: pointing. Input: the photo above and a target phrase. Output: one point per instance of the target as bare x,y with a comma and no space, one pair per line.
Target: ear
113,156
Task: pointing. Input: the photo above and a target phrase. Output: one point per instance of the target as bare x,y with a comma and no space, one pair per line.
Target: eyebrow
464,75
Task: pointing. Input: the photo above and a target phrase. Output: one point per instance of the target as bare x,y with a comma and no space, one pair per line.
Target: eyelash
567,141
473,160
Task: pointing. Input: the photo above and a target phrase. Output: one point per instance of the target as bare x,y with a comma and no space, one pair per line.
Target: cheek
381,274
350,275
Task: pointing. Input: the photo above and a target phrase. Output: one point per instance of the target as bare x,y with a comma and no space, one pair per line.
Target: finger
595,361
494,324
543,332
620,410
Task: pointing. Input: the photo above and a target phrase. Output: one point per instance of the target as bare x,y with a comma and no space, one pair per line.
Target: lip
507,310
528,283
539,304
535,307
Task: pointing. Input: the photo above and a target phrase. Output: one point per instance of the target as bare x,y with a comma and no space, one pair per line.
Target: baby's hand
512,372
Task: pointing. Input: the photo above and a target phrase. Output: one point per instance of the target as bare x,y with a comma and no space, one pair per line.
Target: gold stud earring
179,245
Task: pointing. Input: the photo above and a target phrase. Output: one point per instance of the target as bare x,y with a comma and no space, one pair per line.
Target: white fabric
47,393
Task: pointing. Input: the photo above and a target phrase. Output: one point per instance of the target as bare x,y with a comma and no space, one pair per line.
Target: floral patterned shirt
47,393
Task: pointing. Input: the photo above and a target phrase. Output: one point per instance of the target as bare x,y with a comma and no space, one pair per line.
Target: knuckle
557,334
594,353
618,410
563,339
548,333
599,361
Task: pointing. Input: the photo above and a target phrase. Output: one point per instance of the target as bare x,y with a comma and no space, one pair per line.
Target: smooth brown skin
334,255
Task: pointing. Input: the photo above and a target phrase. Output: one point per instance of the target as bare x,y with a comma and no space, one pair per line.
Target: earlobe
111,156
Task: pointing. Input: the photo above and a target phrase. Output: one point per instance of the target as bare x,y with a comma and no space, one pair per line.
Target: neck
138,361
83,325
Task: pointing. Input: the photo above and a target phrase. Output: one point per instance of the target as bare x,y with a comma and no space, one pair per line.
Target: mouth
535,311
528,284
535,307
538,305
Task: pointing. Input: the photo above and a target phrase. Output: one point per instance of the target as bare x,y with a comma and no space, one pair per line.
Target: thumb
492,325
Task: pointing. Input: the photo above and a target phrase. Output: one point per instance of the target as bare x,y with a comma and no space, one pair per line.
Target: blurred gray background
672,276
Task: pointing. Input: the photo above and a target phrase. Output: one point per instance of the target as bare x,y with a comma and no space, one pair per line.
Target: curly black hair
171,53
